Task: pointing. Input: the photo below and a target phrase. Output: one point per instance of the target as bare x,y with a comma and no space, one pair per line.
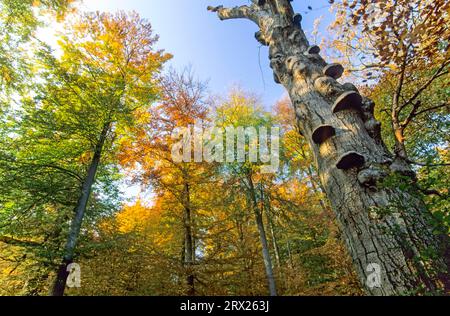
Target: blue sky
223,52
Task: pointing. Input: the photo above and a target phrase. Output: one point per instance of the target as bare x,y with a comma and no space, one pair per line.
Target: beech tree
19,19
385,223
95,90
183,102
242,110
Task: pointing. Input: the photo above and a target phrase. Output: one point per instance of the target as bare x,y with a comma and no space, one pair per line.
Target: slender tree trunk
263,238
291,261
387,228
276,249
189,257
400,146
62,274
398,129
315,188
183,249
243,252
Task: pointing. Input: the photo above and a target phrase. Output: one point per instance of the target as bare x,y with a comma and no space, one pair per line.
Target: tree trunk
263,238
276,249
400,146
62,274
291,261
315,188
385,226
189,247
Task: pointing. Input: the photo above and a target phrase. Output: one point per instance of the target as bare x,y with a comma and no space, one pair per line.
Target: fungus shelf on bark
391,238
351,160
298,19
313,49
334,71
322,133
350,100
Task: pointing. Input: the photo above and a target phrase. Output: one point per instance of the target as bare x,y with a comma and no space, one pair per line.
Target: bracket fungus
322,133
350,100
351,160
298,19
313,49
334,71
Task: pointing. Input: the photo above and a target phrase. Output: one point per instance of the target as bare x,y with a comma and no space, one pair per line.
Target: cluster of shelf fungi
348,99
345,96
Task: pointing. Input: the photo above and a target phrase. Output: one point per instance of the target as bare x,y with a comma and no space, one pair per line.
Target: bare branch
431,192
423,164
433,108
242,12
414,113
440,72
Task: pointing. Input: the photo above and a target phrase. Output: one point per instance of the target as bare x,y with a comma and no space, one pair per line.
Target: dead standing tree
386,226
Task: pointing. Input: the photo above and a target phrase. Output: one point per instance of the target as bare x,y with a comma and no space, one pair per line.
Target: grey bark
276,249
189,246
80,210
385,226
291,261
263,237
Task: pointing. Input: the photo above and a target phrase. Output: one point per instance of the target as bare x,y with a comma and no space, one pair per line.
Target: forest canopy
340,187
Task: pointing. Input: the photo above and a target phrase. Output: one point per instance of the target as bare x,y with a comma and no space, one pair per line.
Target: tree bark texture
385,226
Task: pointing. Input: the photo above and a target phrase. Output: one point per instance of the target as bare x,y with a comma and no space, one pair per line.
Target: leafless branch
437,74
242,12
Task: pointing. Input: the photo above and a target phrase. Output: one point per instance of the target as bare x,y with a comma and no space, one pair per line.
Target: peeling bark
382,225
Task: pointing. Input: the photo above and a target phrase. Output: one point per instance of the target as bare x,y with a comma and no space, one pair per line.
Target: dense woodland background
194,228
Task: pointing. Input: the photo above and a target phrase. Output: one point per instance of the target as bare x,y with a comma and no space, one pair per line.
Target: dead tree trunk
62,274
385,226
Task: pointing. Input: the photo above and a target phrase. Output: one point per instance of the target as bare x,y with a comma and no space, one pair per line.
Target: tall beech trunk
384,226
314,185
62,274
291,261
189,246
268,211
263,237
399,133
